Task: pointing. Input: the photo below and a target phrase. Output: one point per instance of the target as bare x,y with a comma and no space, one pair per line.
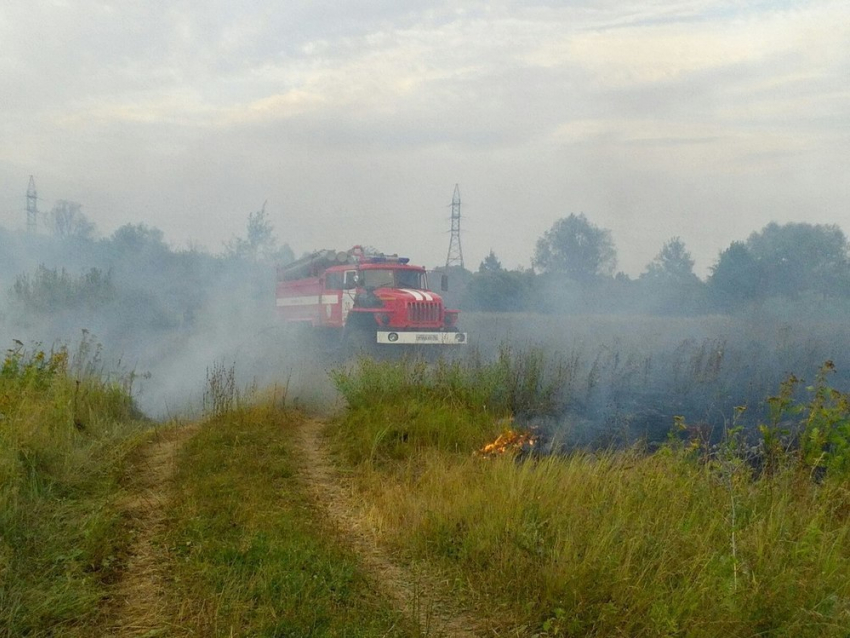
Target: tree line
574,269
131,280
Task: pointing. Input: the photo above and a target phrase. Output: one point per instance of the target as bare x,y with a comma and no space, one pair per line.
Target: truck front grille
424,312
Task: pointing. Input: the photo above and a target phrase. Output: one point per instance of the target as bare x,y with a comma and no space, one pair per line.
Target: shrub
48,290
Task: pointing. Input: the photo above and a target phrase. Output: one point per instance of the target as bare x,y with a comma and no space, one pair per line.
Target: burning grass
397,408
627,377
510,442
702,539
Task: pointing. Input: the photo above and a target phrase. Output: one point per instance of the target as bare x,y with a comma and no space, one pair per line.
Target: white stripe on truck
312,300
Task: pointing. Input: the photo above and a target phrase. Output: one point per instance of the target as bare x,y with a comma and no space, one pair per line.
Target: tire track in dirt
420,596
139,602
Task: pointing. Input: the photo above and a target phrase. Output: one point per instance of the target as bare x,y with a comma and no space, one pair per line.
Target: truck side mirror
444,283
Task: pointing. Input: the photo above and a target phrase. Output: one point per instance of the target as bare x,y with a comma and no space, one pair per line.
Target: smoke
160,316
628,376
166,317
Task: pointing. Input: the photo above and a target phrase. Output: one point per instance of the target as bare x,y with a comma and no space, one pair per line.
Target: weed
826,439
220,392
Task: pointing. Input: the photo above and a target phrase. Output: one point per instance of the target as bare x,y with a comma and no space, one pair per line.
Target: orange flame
509,441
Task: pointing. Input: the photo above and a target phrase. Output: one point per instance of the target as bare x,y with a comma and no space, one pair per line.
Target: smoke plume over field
628,377
160,316
167,317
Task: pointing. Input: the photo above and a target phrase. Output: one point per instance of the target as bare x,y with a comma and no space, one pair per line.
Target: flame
508,442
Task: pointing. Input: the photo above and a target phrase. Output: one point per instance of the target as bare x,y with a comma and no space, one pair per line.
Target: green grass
686,541
399,408
615,543
252,554
624,544
64,438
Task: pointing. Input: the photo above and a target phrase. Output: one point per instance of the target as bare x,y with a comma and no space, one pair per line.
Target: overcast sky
354,120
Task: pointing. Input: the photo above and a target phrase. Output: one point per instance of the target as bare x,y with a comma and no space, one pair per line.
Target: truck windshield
392,278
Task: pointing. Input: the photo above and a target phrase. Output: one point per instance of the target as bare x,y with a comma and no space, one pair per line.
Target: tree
783,260
797,257
669,285
260,243
576,248
490,264
672,265
259,246
134,238
500,291
67,221
737,276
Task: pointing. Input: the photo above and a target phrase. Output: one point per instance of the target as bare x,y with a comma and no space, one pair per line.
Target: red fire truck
364,301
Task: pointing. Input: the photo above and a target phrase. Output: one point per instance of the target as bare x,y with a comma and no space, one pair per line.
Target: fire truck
365,301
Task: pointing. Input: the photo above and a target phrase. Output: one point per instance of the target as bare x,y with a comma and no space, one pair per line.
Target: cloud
182,111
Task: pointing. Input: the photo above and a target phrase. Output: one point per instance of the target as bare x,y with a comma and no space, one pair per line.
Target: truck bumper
389,337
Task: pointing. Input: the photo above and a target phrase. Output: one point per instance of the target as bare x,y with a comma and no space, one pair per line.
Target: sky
353,121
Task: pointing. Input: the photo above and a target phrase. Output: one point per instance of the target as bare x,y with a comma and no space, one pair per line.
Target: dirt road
139,606
417,593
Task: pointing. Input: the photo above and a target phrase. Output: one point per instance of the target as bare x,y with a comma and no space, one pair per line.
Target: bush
49,290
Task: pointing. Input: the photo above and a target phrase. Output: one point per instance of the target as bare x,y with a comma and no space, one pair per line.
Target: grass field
741,531
689,540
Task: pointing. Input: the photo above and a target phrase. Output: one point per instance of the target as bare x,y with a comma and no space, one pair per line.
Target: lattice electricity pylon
455,256
32,206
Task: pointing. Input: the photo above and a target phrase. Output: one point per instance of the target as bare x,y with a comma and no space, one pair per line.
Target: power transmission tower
455,256
32,207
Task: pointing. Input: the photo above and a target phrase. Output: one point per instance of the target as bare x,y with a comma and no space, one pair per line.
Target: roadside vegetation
66,431
742,537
